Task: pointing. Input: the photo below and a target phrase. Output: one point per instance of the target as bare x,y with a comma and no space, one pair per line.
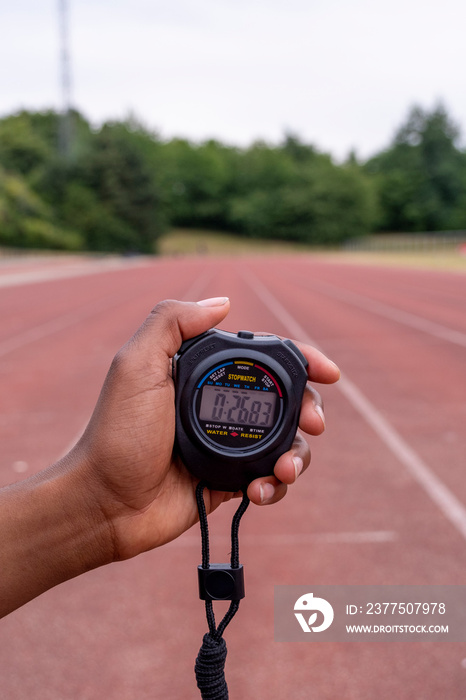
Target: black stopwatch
237,398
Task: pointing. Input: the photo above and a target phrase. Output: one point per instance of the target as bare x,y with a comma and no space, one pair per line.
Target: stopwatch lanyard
210,662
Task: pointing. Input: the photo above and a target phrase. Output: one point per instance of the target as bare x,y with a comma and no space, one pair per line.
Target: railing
446,241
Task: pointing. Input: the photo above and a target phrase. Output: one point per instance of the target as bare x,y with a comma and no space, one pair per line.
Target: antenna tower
65,125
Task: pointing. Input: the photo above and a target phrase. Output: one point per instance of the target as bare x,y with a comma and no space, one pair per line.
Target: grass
452,261
182,242
199,243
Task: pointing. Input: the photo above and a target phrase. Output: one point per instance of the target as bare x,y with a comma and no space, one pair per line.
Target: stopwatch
237,400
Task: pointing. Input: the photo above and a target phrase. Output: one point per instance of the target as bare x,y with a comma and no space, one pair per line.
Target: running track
384,501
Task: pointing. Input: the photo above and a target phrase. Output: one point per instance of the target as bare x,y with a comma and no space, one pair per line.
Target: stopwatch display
237,399
238,404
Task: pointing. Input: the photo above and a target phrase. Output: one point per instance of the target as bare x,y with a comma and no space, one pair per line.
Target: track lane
363,487
53,364
126,632
416,381
434,296
444,498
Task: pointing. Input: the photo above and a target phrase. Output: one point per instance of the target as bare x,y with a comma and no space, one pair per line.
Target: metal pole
65,127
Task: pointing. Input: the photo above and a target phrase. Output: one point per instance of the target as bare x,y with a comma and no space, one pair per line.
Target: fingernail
320,413
267,492
215,301
335,365
298,466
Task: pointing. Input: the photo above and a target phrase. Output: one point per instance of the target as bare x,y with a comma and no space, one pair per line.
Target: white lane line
192,292
451,507
195,290
56,324
93,308
403,317
299,539
16,279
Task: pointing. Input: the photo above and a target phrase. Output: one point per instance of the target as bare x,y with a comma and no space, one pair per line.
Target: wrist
88,537
52,530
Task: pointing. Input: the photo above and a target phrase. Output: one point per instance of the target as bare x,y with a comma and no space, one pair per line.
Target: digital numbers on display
241,406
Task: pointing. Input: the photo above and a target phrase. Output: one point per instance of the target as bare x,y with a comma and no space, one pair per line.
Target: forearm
51,530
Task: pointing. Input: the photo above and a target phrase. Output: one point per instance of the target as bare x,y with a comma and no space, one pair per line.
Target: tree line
119,187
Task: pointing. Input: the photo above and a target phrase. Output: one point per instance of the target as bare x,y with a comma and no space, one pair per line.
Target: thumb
171,322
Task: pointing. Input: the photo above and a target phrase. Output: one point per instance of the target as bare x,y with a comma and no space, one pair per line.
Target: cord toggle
221,582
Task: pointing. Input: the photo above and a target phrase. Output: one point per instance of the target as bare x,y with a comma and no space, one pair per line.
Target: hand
145,493
120,491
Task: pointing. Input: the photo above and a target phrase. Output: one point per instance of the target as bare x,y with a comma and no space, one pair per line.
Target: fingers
171,322
312,419
320,368
290,465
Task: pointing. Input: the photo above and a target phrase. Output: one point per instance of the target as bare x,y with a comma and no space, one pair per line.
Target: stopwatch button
247,335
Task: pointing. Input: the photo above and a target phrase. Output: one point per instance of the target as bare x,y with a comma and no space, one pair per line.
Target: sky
340,74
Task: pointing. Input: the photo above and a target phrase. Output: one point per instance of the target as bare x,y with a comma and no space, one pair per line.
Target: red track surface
130,632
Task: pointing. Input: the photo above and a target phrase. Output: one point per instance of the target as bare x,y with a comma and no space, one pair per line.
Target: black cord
235,529
210,662
203,523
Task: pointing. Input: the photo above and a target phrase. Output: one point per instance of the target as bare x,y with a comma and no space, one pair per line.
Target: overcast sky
339,73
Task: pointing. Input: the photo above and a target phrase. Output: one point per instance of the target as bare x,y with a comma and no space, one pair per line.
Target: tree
26,221
197,181
108,191
295,193
117,174
121,184
421,178
22,149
